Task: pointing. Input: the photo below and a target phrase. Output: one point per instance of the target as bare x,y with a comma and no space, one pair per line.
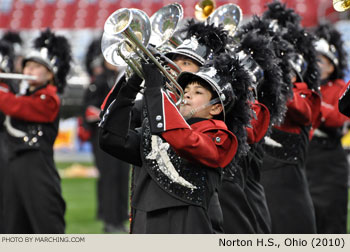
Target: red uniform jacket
330,115
303,109
260,124
42,106
208,142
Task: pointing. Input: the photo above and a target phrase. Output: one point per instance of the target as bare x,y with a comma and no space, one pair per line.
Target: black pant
172,220
112,186
33,200
327,173
255,194
288,197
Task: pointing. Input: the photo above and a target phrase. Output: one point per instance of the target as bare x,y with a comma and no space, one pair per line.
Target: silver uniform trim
13,131
159,153
320,133
271,142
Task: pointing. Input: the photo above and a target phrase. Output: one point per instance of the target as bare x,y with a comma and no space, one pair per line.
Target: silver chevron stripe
271,142
13,131
159,153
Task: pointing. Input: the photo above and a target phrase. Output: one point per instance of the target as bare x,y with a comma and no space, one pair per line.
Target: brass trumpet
124,42
341,5
203,9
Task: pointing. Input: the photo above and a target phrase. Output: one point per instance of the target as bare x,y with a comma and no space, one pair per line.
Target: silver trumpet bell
120,30
229,15
124,42
164,23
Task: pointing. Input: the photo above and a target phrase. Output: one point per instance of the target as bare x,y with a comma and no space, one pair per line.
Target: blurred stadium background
81,21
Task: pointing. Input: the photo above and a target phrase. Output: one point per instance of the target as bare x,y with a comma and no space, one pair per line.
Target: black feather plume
257,24
303,43
280,12
270,90
282,48
214,37
7,56
59,47
239,116
13,37
93,51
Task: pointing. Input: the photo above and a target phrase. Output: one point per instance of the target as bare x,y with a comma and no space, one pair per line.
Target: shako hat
330,43
93,56
229,79
53,52
202,41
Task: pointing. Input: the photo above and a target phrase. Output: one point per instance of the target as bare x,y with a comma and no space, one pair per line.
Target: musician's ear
216,109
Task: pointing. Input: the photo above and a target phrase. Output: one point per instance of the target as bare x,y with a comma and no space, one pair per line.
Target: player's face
196,97
186,64
326,67
42,74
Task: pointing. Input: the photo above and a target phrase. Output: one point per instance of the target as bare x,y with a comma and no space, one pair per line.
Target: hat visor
187,77
40,61
187,53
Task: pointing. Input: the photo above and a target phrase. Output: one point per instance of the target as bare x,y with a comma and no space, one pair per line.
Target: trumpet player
33,199
202,42
182,151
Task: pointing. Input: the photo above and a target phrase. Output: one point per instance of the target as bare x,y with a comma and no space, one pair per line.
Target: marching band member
269,108
113,180
33,198
194,51
283,169
181,151
327,165
201,43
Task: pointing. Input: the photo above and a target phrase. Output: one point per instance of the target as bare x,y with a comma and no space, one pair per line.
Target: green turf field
80,197
81,203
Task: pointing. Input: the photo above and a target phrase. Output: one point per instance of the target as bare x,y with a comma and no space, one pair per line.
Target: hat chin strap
204,106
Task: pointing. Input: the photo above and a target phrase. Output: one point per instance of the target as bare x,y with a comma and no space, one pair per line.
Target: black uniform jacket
177,158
